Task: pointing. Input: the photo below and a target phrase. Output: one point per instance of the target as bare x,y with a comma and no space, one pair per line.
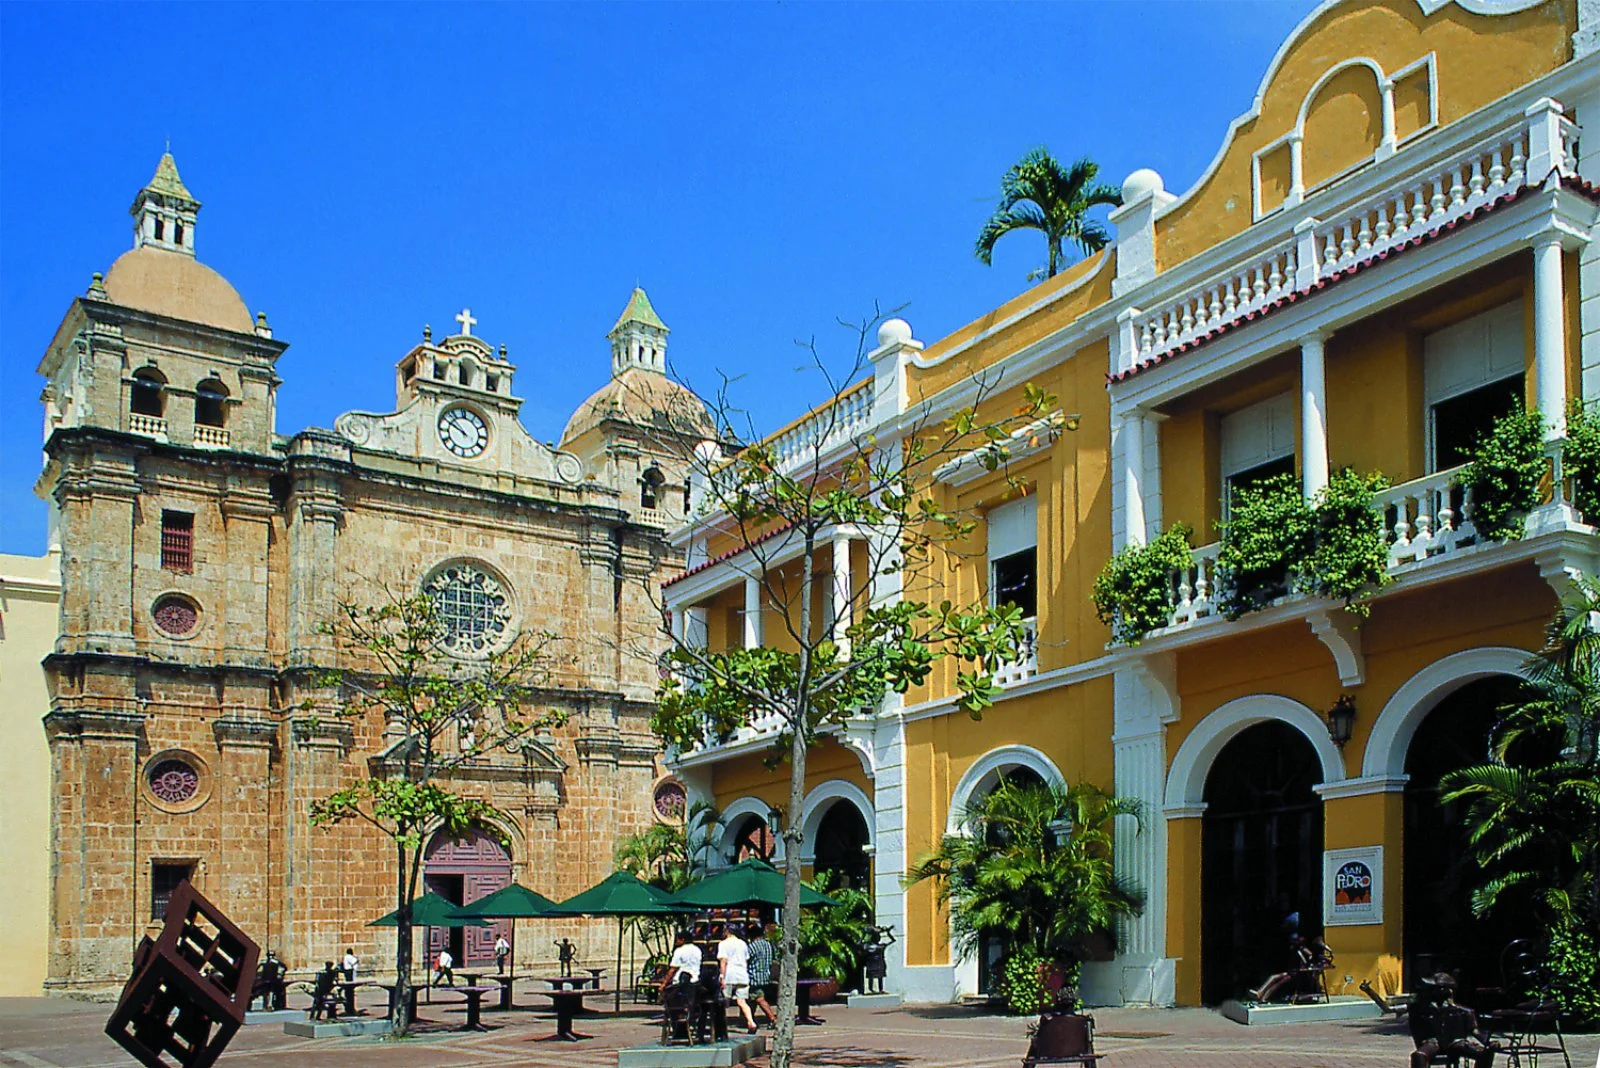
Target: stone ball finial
894,332
1141,184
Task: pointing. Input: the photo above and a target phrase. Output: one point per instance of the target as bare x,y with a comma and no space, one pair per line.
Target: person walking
443,972
760,970
502,950
733,961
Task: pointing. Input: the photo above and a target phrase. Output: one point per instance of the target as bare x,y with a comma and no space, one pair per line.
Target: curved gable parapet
1409,65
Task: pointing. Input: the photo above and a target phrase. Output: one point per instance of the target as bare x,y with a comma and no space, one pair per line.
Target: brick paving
42,1033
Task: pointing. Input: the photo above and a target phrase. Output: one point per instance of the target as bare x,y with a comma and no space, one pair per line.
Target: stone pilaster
97,493
241,797
313,855
247,512
315,515
94,878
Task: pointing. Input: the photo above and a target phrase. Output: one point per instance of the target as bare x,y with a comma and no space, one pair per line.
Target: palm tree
1039,193
1032,866
1533,808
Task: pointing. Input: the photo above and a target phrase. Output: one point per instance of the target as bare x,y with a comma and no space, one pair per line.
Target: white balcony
1428,525
210,437
151,426
1026,666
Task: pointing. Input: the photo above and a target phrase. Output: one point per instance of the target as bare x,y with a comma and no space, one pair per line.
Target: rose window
670,801
174,781
176,615
472,608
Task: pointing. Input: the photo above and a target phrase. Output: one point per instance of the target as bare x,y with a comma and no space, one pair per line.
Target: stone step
336,1028
1338,1007
714,1055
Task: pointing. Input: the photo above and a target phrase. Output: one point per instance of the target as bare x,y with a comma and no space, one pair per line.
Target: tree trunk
400,1021
793,831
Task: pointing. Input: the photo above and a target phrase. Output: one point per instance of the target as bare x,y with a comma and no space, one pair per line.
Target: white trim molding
1186,782
1024,442
820,800
731,817
1375,784
1385,754
992,764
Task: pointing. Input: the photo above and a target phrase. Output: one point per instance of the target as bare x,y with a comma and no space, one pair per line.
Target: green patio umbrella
431,910
746,884
623,895
512,903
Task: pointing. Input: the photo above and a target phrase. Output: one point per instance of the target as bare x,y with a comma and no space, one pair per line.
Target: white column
843,587
752,613
1549,335
1133,476
1313,415
695,631
679,626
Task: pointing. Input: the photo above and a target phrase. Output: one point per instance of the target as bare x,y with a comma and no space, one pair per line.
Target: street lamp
1342,720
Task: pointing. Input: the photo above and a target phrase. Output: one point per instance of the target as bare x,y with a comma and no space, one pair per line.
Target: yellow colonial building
1394,241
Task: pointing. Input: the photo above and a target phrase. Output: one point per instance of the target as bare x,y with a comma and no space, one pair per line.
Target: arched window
210,403
650,484
149,393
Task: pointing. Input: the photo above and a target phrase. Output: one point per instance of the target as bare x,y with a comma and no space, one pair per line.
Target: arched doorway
841,846
1261,856
990,947
752,840
463,871
1440,931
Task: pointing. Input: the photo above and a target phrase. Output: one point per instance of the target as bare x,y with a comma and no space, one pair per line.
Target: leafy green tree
1533,808
1041,193
1032,866
780,509
447,709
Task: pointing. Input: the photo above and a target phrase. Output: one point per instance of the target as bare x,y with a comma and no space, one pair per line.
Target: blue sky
762,169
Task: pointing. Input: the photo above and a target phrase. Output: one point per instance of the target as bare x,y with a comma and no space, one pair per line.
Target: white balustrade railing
210,437
1194,588
1436,196
1026,665
1427,517
151,425
849,415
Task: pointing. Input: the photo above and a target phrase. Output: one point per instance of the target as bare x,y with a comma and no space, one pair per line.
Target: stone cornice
322,732
133,661
252,344
89,724
245,732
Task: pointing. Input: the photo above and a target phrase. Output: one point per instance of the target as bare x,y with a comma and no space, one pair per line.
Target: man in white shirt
502,950
733,960
684,967
350,963
444,975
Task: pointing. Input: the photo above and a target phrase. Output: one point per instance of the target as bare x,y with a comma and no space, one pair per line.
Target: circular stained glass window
174,781
671,800
176,615
472,607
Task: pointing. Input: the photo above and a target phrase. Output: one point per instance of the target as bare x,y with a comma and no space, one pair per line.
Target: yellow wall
1407,632
30,600
1480,58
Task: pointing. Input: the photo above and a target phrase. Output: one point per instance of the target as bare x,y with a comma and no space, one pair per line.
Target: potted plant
1032,866
831,936
1133,592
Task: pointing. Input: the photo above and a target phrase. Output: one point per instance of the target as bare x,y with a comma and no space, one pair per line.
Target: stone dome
646,398
176,285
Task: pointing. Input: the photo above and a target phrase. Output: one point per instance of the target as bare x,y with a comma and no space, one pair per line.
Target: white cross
466,320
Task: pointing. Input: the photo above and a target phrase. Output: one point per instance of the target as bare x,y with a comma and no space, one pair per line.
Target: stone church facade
201,550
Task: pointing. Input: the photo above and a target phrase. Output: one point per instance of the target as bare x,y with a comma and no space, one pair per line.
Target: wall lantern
1342,720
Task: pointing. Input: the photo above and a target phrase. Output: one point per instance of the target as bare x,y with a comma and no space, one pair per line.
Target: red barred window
177,542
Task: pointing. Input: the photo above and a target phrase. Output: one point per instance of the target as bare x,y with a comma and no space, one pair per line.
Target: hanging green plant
1133,592
1268,533
1581,459
1507,465
1350,552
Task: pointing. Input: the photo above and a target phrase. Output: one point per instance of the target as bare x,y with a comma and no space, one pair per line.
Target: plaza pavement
47,1033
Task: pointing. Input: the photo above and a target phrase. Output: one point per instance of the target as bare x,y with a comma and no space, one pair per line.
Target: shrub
1267,534
1350,552
1504,474
1133,592
1581,459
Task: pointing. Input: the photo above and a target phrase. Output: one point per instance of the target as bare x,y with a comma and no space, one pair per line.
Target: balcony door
1473,373
1257,443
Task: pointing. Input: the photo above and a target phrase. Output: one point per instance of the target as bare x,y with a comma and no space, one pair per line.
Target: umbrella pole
617,1004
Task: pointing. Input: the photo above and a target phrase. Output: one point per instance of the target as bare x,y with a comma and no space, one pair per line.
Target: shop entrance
1440,932
841,846
1261,857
